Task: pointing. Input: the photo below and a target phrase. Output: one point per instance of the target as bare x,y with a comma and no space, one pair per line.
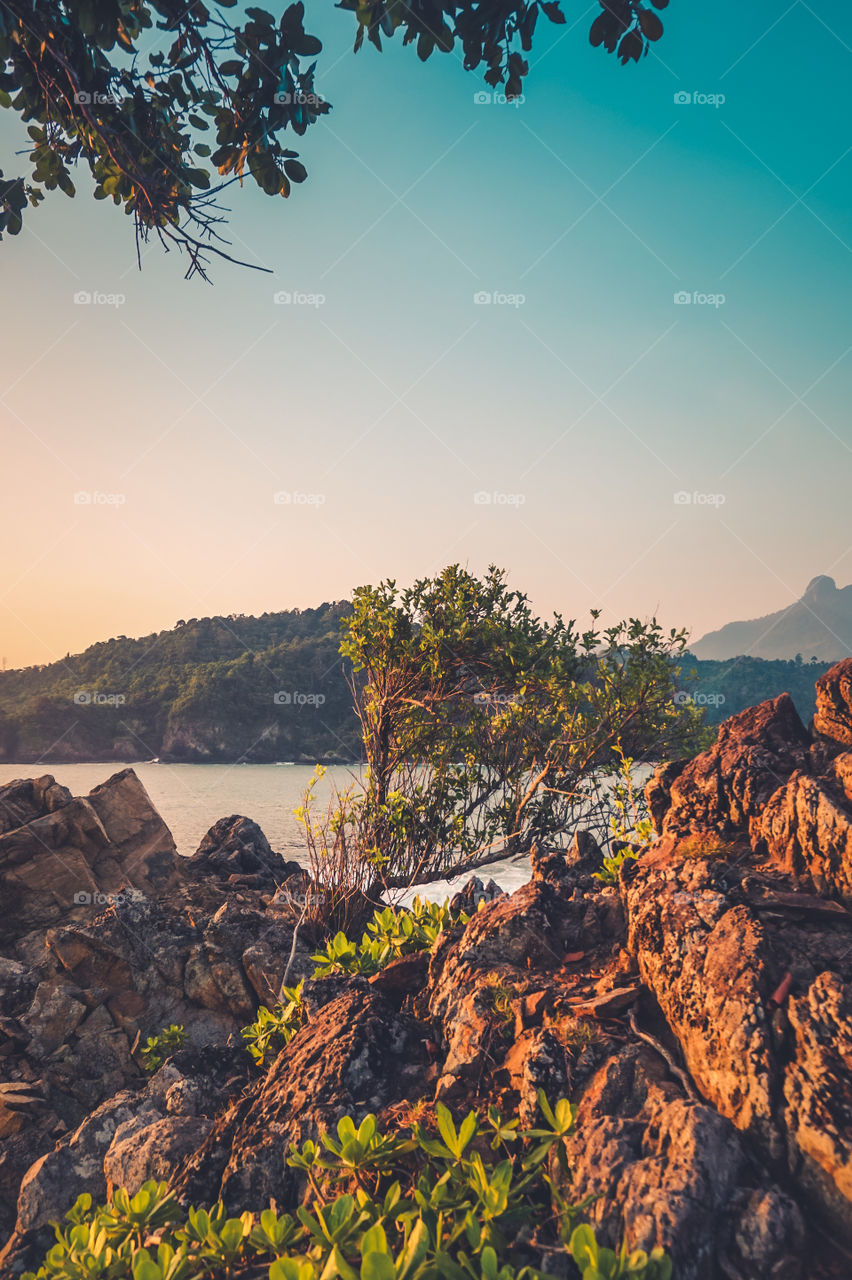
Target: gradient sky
581,412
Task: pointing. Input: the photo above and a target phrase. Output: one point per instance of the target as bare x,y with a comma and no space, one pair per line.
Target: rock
699,1013
52,1016
833,715
75,858
29,798
472,893
725,789
579,861
807,831
19,1102
705,962
76,1165
236,847
402,977
356,1055
141,1150
665,1171
818,1107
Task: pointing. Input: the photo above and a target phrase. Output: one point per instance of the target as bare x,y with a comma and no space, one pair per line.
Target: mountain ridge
818,625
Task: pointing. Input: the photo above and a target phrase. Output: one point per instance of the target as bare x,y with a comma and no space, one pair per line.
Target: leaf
652,27
553,11
377,1266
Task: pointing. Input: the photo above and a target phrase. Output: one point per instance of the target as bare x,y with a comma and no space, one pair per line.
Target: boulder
73,859
806,828
28,798
236,850
725,789
356,1055
833,714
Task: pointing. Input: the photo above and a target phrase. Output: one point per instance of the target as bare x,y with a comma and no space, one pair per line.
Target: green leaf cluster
392,932
161,1046
454,1201
275,1027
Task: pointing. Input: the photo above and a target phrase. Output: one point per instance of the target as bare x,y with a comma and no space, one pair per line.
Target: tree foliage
167,103
486,729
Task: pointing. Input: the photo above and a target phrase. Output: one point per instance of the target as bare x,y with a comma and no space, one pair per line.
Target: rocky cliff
699,1013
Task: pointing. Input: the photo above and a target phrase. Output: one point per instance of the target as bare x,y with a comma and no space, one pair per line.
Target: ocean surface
191,797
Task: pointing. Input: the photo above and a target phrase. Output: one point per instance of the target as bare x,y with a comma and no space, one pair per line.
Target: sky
649,413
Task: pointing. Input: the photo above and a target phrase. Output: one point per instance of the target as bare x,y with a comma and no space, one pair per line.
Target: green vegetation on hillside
268,688
205,690
724,688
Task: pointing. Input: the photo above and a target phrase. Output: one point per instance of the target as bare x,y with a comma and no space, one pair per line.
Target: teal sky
579,413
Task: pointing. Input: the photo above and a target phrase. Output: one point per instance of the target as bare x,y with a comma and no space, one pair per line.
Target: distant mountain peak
820,588
819,625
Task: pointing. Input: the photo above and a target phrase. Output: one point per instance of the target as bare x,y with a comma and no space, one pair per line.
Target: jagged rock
713,1098
726,788
582,858
833,715
705,962
52,1017
63,863
472,893
28,798
666,1171
53,1183
807,830
130,1137
141,1150
236,850
356,1055
818,1109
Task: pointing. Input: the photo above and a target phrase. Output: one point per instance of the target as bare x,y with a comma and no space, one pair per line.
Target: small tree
486,729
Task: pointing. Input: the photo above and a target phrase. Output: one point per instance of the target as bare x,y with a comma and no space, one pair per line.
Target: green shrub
390,934
158,1048
451,1203
275,1027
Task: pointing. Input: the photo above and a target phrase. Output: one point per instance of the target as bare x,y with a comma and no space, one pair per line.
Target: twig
676,1071
293,946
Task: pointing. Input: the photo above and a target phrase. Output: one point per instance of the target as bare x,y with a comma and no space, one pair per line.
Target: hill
223,688
260,689
817,626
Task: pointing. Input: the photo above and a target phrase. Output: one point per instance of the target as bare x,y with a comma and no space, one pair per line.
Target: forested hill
267,688
260,689
724,688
